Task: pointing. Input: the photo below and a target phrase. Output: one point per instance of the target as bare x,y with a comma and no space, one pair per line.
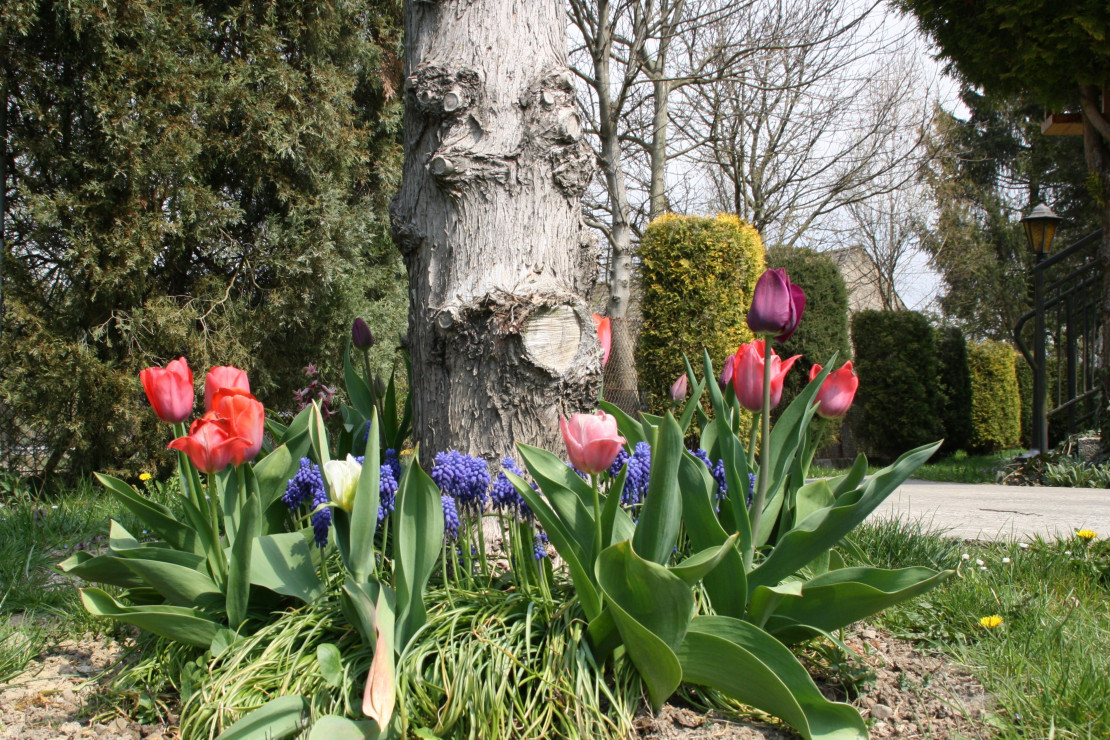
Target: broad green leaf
611,513
334,727
109,569
551,473
661,514
164,555
331,664
570,550
157,517
119,538
418,537
364,514
278,718
361,607
357,390
299,425
726,585
851,480
630,429
840,597
224,639
652,609
239,568
812,497
766,598
697,566
736,465
283,564
174,622
744,662
272,473
318,434
182,586
822,529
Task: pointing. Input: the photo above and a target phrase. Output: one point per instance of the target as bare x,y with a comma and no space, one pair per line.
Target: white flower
1067,552
965,556
978,561
342,478
1005,560
982,567
1023,545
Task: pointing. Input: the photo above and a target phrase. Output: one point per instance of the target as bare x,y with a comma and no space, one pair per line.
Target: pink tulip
837,392
210,445
169,390
777,305
679,388
747,375
726,372
223,377
592,441
604,335
245,417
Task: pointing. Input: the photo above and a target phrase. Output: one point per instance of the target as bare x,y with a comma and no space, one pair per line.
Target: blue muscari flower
464,477
393,463
321,519
717,471
303,486
639,475
618,463
504,495
450,516
387,488
577,472
751,488
539,546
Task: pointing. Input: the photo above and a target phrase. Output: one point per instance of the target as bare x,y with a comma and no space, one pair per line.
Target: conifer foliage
205,179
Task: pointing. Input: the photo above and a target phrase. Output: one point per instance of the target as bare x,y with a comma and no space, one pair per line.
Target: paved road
1000,512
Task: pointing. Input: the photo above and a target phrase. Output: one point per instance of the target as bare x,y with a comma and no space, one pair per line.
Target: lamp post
1040,228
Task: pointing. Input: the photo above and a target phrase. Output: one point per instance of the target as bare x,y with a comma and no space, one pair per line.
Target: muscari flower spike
463,477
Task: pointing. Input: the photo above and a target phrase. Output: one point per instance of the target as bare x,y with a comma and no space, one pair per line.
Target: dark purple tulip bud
360,335
777,305
678,388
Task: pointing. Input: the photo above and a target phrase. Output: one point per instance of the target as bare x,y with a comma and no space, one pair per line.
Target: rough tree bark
488,219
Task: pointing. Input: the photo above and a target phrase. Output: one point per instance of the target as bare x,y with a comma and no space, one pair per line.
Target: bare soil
913,695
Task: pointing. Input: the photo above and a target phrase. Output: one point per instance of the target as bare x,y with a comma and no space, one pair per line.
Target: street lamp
1040,228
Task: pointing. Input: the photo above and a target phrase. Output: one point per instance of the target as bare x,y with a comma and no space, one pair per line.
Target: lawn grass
1047,663
957,468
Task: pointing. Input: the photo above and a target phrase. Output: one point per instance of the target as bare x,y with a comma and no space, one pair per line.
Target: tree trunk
488,219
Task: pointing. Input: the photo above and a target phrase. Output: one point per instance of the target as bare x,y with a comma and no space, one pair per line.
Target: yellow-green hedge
697,274
995,400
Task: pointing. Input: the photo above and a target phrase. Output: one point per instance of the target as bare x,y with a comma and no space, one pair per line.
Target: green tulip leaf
179,585
174,622
283,564
726,585
119,538
109,569
694,568
357,389
840,597
239,568
652,609
552,474
418,536
661,514
273,472
157,517
851,480
766,598
164,555
824,528
318,434
330,663
364,514
736,466
745,663
334,727
278,718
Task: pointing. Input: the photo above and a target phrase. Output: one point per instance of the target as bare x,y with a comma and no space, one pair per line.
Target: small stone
882,712
85,669
869,634
69,728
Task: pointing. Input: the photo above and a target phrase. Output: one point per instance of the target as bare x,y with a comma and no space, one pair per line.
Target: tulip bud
592,441
604,335
342,478
361,336
777,305
679,387
837,392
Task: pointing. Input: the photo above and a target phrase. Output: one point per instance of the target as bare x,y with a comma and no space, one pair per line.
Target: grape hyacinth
303,486
618,463
450,517
504,496
387,488
321,517
464,477
394,463
717,471
639,475
539,546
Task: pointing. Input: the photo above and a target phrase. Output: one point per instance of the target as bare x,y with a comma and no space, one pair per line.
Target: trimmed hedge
1025,390
954,387
898,398
698,274
995,400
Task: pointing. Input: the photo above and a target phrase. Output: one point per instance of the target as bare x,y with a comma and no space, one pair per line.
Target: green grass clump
1046,662
957,468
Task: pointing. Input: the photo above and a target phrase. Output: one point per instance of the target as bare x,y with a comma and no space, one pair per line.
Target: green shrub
898,397
1025,390
995,401
954,386
697,274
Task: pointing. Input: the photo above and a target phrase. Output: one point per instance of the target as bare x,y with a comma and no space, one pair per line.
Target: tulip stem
215,558
754,440
597,515
764,446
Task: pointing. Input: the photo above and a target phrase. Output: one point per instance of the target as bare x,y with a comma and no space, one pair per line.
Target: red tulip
604,335
592,441
777,305
679,388
210,444
223,377
747,375
244,417
170,390
837,392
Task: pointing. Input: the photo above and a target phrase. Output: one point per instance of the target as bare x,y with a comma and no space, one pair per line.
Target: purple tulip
777,305
361,336
679,387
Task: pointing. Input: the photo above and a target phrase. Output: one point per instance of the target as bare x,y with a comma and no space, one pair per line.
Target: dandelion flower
991,622
1086,534
145,476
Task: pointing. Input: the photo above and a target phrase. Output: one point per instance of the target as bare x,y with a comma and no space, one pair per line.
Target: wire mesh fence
24,452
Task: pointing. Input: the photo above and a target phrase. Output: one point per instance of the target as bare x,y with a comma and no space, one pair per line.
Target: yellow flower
991,622
145,476
1086,534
